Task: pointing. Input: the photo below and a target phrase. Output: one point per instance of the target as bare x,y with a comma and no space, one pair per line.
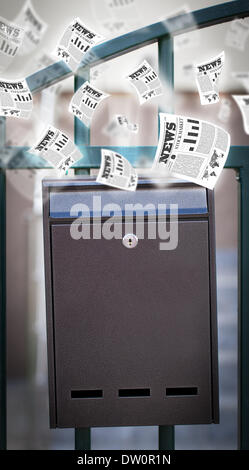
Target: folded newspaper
116,171
11,37
243,78
15,98
120,124
225,110
191,149
33,25
57,148
117,16
123,122
176,20
237,34
48,102
44,60
243,104
188,70
76,41
97,71
146,82
85,101
207,74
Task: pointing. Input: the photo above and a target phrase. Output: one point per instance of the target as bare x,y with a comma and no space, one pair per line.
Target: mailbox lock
130,240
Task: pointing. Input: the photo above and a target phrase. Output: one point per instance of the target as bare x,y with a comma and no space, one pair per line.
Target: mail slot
131,328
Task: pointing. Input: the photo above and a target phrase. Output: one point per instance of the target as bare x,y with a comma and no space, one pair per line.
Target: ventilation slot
86,393
181,391
133,392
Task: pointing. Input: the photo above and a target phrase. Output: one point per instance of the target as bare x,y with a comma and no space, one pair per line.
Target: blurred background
28,421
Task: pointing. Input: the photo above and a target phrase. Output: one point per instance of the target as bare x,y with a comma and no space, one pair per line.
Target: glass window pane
203,45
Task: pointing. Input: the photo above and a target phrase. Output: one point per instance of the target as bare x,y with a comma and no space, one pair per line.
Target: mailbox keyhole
130,240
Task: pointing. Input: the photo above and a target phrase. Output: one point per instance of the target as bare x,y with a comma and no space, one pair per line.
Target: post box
131,322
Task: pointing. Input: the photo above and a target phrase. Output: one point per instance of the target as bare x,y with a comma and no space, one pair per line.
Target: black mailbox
132,333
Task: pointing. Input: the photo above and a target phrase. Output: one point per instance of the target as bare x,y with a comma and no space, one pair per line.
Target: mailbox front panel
132,339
